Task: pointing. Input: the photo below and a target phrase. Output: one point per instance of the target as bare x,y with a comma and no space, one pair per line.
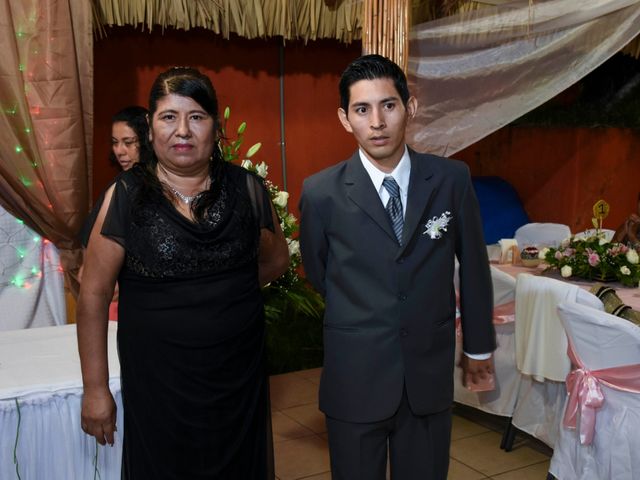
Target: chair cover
602,342
542,234
540,350
541,344
500,401
31,278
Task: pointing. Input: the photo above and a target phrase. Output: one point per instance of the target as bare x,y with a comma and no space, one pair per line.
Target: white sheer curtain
477,71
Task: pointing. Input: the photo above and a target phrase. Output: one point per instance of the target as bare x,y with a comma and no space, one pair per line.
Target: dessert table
40,400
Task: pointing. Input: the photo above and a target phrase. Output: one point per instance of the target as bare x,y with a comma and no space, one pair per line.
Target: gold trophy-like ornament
600,212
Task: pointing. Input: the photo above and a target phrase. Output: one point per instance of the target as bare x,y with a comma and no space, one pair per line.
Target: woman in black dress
190,240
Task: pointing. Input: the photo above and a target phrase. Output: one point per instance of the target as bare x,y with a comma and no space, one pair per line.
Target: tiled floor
301,452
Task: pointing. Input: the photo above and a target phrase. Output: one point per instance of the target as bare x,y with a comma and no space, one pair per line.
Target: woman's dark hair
136,119
372,67
186,82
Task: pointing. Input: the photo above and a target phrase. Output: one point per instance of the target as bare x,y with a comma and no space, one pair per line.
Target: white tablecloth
538,408
40,399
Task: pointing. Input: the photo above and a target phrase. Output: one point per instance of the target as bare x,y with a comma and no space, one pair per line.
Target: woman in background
129,141
129,133
190,239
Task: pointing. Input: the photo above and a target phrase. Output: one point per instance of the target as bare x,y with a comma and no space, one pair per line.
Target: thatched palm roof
290,19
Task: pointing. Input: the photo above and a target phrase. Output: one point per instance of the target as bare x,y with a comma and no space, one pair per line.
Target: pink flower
558,255
594,259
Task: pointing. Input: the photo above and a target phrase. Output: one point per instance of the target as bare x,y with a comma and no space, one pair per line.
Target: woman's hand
273,254
98,415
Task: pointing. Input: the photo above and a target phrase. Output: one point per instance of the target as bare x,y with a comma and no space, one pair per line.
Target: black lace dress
191,334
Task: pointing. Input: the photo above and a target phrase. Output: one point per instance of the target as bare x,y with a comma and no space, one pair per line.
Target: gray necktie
394,206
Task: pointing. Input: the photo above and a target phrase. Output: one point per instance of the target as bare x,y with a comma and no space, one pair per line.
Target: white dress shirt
401,175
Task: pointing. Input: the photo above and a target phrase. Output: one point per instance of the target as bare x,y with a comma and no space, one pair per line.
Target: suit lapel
420,191
361,191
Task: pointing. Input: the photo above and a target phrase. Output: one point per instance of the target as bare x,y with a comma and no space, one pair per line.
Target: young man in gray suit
379,234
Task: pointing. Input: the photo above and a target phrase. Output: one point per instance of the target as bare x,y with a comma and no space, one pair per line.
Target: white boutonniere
437,225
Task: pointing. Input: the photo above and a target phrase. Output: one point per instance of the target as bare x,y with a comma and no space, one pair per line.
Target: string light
19,149
25,181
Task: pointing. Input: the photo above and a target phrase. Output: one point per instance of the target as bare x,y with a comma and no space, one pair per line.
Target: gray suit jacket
390,309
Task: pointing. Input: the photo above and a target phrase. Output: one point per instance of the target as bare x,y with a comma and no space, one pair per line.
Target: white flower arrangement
290,294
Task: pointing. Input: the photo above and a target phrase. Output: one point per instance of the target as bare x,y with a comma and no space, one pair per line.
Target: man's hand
475,370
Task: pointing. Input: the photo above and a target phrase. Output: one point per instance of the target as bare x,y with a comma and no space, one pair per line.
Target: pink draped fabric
585,392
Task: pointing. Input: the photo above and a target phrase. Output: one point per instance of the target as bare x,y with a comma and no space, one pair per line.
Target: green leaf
242,128
227,112
253,150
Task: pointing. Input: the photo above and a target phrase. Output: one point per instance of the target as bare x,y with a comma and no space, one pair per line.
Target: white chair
542,234
540,350
500,401
602,341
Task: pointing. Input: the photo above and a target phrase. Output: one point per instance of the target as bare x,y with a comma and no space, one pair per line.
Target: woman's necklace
186,199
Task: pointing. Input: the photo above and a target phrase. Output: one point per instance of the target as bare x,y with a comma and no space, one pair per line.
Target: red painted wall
560,173
246,76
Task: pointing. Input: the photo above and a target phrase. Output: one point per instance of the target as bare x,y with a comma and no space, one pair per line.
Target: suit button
404,332
402,296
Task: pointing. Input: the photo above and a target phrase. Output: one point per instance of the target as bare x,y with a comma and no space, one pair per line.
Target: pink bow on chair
585,392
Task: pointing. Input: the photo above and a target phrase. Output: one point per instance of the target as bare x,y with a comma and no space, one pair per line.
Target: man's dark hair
371,67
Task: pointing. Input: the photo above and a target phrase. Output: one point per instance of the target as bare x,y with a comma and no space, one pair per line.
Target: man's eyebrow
384,100
360,104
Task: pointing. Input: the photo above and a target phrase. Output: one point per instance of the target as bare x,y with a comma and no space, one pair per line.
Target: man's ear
412,107
344,120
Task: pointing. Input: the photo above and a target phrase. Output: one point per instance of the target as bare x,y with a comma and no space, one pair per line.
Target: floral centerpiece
293,310
594,258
